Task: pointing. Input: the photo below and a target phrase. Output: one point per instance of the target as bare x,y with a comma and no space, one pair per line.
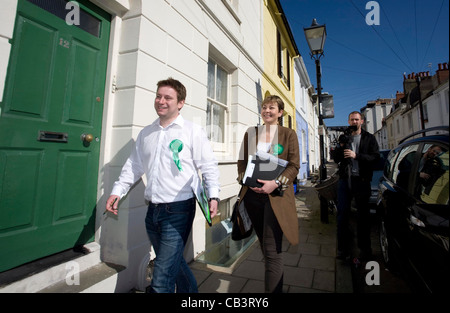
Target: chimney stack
441,73
399,96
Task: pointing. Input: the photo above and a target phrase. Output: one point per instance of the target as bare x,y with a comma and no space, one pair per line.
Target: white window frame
219,146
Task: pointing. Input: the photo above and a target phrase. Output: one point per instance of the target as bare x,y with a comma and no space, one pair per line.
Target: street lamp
315,36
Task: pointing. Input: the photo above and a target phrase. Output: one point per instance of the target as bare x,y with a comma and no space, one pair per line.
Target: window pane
208,118
222,82
216,102
403,166
432,182
215,128
219,123
58,8
211,79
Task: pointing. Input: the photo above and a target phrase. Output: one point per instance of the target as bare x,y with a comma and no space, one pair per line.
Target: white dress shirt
152,156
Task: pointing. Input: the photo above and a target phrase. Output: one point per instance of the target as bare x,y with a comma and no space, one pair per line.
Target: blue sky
363,62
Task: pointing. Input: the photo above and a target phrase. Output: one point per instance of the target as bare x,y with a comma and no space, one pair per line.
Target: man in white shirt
169,152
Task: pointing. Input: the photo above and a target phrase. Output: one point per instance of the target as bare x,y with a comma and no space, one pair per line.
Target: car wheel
386,246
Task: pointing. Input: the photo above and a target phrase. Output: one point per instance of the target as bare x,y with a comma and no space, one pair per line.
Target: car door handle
415,221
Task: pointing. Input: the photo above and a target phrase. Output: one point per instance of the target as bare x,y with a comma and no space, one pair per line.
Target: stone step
87,269
101,278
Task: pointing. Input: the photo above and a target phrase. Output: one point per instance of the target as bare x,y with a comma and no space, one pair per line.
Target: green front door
53,96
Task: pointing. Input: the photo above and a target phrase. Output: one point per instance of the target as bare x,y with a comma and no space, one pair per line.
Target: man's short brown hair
175,84
356,112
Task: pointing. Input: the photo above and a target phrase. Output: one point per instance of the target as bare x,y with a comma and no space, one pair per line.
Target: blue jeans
168,226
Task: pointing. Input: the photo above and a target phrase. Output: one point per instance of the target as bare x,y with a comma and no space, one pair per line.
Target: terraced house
77,84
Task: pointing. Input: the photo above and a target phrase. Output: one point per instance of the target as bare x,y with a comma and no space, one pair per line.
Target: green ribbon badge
278,149
176,146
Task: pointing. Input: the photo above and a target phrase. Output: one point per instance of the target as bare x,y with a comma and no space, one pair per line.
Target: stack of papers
263,166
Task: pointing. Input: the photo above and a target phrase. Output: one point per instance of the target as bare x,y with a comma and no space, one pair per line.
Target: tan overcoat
283,207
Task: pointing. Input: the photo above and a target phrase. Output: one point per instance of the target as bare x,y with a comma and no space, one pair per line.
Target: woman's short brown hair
275,99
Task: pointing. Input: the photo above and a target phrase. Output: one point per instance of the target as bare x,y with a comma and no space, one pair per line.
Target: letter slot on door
53,136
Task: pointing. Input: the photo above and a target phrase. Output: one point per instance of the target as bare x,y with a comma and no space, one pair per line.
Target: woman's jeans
168,226
360,190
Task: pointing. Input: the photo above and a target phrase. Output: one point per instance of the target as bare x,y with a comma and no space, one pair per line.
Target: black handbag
238,230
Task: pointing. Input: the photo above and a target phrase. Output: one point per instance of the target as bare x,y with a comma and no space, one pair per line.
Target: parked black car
377,175
413,203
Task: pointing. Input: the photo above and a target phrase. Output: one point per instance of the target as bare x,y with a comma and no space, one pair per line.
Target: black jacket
367,157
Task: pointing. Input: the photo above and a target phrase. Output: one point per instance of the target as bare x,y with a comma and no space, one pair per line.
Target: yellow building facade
280,50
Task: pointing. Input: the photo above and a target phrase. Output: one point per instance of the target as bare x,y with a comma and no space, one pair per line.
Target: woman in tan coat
272,212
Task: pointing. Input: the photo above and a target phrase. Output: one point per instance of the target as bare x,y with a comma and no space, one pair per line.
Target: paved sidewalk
310,267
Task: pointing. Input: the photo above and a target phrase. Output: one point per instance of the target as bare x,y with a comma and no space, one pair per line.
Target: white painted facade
437,107
404,121
375,113
158,39
304,108
151,40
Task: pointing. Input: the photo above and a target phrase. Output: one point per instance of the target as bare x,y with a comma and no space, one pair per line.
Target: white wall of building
314,139
303,106
437,107
7,16
151,40
405,121
374,116
154,40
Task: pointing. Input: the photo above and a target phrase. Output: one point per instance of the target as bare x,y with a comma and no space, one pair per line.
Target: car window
401,171
432,183
389,164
